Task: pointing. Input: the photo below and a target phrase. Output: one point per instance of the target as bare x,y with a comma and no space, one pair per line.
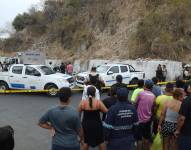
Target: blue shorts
184,142
57,147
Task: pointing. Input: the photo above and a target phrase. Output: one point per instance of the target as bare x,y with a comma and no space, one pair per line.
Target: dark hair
180,84
155,80
122,94
93,69
119,78
178,92
91,93
148,84
169,87
64,94
113,91
140,83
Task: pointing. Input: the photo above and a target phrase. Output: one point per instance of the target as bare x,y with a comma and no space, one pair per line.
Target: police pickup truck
37,77
108,73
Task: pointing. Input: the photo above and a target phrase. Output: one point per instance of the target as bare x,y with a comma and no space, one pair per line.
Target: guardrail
75,89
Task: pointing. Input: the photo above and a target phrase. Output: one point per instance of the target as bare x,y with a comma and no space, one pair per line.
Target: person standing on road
136,92
62,68
64,123
168,119
69,68
95,79
164,72
121,123
159,74
1,67
183,131
110,101
91,122
156,88
145,108
119,84
160,101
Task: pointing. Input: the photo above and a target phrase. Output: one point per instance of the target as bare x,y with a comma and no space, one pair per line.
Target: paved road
22,111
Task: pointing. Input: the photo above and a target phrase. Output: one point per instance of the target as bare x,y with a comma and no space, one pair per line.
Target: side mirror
109,73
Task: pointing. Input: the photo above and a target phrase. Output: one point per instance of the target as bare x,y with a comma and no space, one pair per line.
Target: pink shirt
145,101
69,68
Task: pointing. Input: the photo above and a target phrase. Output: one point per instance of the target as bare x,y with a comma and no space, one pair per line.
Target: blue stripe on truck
16,85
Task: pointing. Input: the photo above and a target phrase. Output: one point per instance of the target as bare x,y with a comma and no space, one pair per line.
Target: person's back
145,103
137,91
119,83
62,68
65,121
120,123
160,100
92,124
69,68
110,101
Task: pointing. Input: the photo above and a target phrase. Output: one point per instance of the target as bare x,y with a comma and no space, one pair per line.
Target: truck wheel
53,90
4,86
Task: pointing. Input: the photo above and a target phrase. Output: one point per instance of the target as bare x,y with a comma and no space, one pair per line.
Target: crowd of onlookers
62,68
148,118
128,121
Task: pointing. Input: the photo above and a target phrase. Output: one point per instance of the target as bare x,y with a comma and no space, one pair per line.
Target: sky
9,9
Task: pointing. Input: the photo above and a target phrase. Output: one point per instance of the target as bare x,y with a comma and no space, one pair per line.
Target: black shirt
119,85
185,110
108,102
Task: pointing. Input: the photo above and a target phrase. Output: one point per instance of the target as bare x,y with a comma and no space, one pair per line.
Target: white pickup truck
108,73
37,77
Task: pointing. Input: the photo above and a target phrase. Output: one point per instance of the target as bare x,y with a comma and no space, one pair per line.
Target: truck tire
3,86
53,90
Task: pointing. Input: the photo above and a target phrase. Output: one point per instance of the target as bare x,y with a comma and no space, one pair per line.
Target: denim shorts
184,142
57,147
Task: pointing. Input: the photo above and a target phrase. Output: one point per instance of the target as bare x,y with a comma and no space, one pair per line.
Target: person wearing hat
120,123
183,131
145,109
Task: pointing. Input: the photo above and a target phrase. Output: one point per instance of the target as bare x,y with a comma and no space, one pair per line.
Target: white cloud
9,9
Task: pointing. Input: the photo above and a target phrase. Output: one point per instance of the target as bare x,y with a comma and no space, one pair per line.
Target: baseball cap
149,83
122,92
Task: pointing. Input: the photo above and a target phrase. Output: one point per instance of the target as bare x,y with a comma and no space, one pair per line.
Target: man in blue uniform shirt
120,123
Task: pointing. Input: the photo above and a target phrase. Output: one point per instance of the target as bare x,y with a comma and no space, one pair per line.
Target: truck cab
108,73
36,77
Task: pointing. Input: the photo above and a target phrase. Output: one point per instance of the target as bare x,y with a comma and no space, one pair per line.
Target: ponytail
90,101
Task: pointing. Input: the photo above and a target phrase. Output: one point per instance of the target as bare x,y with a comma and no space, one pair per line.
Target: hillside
73,29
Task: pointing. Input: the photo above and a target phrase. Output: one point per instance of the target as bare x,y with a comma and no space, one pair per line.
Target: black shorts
144,131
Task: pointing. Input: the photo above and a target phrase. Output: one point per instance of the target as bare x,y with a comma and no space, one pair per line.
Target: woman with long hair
168,120
91,122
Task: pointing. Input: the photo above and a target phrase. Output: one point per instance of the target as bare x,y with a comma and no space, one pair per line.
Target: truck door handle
11,76
25,77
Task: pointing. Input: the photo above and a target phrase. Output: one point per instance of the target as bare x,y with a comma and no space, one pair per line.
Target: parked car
37,77
108,72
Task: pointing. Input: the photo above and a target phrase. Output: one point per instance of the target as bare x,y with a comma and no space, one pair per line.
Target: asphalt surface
22,112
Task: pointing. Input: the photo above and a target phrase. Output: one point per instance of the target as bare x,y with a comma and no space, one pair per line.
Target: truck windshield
102,69
46,70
